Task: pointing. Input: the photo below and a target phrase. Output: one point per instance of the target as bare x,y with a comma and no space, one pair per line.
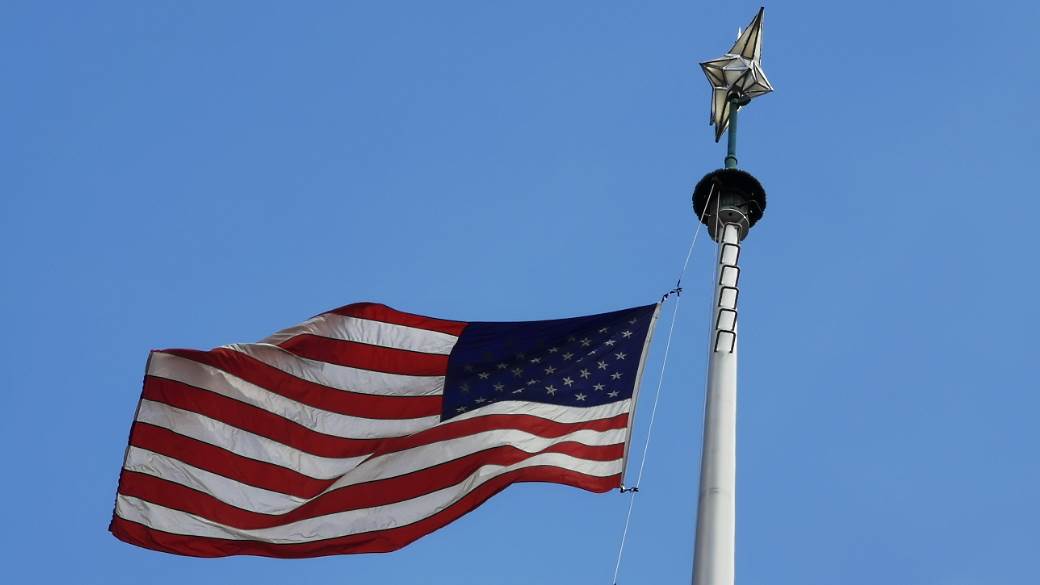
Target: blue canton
583,361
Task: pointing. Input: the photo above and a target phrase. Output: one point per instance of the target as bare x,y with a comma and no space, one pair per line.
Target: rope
677,291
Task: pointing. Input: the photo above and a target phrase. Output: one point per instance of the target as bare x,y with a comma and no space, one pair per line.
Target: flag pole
713,561
729,201
727,218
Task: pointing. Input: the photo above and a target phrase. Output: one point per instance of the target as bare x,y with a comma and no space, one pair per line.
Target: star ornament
737,77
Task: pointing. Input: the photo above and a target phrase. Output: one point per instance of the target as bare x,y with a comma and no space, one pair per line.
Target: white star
460,409
483,375
603,330
584,373
500,387
620,355
616,375
568,355
568,381
585,342
609,342
550,390
518,390
536,360
612,394
633,320
464,387
532,382
601,365
571,339
553,350
502,365
550,370
598,387
626,334
517,372
592,352
481,400
579,397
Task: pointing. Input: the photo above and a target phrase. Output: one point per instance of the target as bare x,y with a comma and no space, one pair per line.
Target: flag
365,428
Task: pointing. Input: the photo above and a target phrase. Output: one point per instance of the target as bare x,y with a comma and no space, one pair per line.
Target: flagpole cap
735,196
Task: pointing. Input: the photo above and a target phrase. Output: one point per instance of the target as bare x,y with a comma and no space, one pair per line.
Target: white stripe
377,468
554,412
193,373
244,443
353,521
361,330
227,490
341,377
424,456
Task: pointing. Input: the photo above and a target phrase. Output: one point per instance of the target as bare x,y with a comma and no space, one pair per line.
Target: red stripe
354,497
376,541
377,358
379,312
223,462
313,394
253,419
540,427
269,425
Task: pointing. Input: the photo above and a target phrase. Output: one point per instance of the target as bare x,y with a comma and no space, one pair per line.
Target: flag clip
677,291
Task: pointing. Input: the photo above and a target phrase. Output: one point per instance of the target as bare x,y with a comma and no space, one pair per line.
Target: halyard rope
660,382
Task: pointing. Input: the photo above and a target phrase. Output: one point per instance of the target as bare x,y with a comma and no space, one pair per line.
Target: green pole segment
731,147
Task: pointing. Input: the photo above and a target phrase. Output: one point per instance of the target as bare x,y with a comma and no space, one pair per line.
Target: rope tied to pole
677,292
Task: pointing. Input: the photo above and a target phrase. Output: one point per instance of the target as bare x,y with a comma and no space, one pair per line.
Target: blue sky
188,174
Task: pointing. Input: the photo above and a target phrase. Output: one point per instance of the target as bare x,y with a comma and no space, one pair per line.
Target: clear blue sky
188,174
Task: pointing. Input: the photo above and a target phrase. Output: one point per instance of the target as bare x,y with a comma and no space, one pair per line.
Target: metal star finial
737,76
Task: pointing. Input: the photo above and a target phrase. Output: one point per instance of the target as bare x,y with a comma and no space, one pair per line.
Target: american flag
365,428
